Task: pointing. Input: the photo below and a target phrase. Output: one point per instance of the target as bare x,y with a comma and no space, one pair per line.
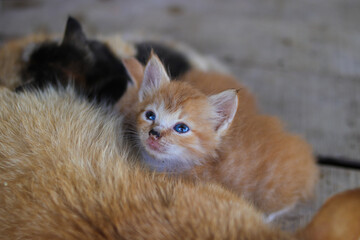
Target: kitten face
176,127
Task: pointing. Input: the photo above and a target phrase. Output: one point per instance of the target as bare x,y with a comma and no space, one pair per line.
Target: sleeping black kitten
90,65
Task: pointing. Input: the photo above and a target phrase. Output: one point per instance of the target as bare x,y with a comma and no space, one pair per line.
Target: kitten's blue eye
181,128
150,115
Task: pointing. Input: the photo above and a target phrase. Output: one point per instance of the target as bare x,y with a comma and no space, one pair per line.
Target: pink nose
154,134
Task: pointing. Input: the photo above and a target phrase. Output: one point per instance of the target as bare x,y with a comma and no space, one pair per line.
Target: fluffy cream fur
66,173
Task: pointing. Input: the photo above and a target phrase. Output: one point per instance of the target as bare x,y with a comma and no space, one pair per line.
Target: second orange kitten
201,126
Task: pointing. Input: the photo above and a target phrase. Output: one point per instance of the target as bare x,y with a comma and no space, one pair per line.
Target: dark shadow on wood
338,162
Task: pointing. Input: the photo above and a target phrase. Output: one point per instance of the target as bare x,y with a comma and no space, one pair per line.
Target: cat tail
337,219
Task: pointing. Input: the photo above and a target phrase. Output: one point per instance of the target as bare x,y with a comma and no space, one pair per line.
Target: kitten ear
154,76
225,105
135,70
74,34
75,37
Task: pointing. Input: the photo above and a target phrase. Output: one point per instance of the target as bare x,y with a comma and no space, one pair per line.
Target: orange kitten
196,126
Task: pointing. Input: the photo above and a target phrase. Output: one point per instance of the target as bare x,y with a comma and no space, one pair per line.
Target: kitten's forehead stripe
176,95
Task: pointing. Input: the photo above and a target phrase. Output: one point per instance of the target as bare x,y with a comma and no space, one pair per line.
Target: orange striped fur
253,155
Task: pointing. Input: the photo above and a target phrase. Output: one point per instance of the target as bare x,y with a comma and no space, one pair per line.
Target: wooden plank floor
299,57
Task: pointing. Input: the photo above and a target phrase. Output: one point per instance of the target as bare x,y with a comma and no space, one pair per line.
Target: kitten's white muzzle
154,145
